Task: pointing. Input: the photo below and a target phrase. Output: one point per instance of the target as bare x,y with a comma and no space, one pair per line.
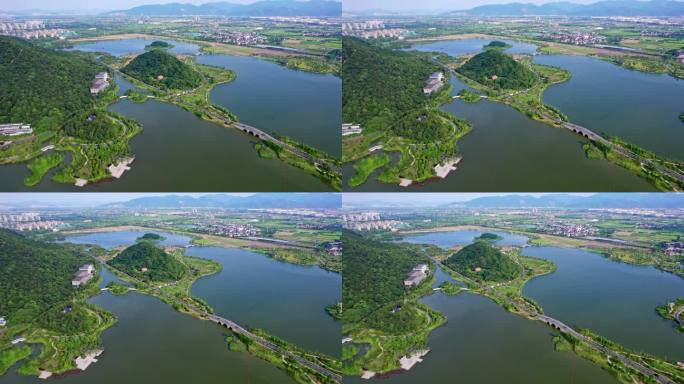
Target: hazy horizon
104,5
88,199
437,5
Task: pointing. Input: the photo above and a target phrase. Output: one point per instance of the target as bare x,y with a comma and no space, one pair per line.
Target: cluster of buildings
15,129
417,275
334,248
351,129
373,29
576,38
362,26
674,248
83,275
380,225
434,83
100,83
30,29
230,230
361,216
28,222
569,230
238,38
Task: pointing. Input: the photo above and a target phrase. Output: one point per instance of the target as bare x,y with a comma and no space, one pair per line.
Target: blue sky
394,5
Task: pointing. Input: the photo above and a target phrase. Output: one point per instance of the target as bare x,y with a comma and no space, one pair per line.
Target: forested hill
146,261
484,262
34,275
159,68
41,86
498,70
373,274
381,85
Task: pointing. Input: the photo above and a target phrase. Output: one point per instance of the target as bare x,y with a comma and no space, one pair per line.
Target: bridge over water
236,328
563,328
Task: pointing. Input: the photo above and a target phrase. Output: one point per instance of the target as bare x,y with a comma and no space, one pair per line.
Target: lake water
125,47
301,105
453,238
470,46
109,240
287,300
616,300
639,107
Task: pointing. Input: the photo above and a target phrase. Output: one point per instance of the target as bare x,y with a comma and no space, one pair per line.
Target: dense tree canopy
381,85
484,262
146,261
159,68
45,88
373,274
35,276
498,70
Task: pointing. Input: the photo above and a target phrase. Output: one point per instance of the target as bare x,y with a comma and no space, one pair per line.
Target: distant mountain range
223,8
600,200
259,200
601,8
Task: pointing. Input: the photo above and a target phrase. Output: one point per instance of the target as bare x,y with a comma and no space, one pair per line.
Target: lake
304,106
641,108
285,299
616,300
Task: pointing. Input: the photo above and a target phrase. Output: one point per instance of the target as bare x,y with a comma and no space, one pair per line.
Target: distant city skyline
435,5
104,5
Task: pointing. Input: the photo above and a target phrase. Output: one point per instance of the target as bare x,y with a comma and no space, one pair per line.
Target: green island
379,311
384,93
151,237
42,306
161,69
481,261
674,311
158,45
468,96
496,44
62,113
681,117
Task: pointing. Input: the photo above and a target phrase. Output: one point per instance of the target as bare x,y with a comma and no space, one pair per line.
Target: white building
3,322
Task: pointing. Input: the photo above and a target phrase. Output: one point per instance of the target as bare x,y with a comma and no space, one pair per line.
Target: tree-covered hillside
373,274
159,68
147,262
380,85
484,262
43,87
498,70
34,275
